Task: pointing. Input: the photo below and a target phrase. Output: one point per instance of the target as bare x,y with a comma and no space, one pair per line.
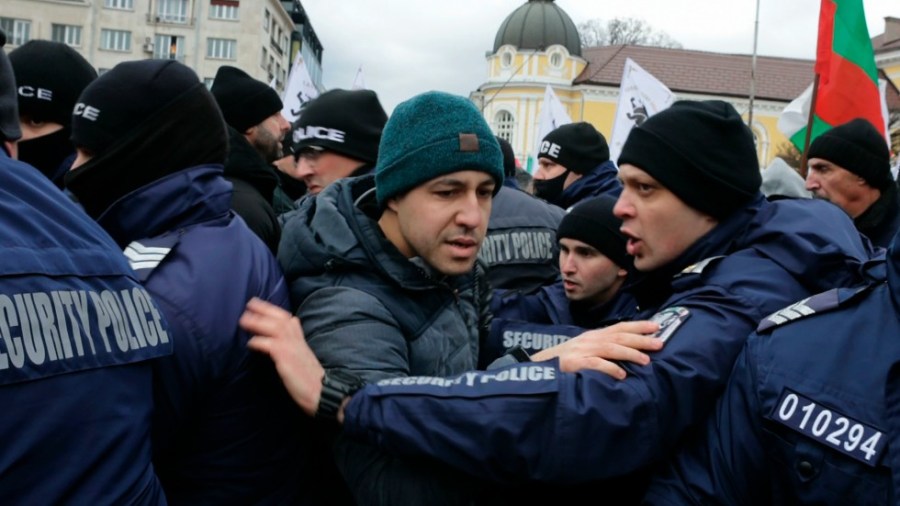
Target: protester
781,181
290,187
713,258
849,166
594,268
337,136
256,128
75,374
398,259
519,248
50,76
574,164
810,410
224,430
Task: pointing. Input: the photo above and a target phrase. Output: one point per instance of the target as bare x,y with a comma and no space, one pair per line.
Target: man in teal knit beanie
430,135
385,282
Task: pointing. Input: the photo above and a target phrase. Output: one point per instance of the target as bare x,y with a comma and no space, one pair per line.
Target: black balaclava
47,154
141,115
550,189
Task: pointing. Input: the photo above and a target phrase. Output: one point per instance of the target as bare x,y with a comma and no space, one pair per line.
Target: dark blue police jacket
531,421
811,409
77,332
601,180
546,318
225,431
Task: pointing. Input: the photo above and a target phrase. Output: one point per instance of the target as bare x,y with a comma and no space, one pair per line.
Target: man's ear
392,204
12,149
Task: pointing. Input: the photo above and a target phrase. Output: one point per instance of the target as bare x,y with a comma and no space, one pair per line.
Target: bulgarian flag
846,73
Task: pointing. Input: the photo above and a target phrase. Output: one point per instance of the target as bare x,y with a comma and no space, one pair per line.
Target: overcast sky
407,47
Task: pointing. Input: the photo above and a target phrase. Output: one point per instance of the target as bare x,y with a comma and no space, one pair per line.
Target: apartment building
257,36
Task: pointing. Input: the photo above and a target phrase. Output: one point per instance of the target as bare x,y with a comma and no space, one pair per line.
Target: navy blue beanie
430,135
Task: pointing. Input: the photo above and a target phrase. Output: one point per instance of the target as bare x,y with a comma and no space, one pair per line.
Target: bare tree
631,31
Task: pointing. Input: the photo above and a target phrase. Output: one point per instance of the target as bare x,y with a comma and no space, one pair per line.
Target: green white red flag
848,77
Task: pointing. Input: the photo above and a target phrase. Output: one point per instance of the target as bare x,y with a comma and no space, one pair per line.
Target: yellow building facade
537,45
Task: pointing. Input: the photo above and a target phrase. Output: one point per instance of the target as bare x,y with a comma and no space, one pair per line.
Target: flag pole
809,126
753,68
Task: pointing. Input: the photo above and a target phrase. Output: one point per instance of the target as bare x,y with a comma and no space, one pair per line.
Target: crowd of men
205,304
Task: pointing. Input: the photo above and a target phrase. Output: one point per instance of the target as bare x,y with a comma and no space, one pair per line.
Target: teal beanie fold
431,135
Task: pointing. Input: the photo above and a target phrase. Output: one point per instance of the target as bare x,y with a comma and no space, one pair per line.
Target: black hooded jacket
254,186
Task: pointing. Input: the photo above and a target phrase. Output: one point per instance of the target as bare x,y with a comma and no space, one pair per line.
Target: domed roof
538,24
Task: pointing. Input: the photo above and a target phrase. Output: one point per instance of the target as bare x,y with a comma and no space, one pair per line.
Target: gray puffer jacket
365,307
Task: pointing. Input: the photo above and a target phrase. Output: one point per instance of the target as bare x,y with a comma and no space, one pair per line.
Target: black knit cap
578,147
592,222
348,122
858,147
50,76
9,105
119,101
701,151
509,158
245,102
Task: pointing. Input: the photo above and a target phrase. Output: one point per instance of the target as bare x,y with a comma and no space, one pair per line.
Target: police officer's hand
278,334
599,349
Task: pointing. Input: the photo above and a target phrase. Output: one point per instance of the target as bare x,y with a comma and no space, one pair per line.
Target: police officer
594,268
50,76
714,257
78,335
519,248
574,164
224,432
810,410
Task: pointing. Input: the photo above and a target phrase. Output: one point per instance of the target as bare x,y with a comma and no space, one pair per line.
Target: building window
168,47
556,59
115,40
264,59
506,59
266,20
120,4
223,9
18,31
222,49
504,125
208,82
172,11
67,34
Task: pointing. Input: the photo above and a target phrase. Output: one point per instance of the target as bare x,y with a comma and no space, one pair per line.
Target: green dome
538,24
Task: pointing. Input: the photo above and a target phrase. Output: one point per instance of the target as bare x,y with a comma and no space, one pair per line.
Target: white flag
553,115
795,116
359,83
640,96
300,90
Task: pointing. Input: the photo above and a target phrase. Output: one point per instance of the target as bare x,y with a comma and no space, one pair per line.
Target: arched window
556,59
504,124
506,59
